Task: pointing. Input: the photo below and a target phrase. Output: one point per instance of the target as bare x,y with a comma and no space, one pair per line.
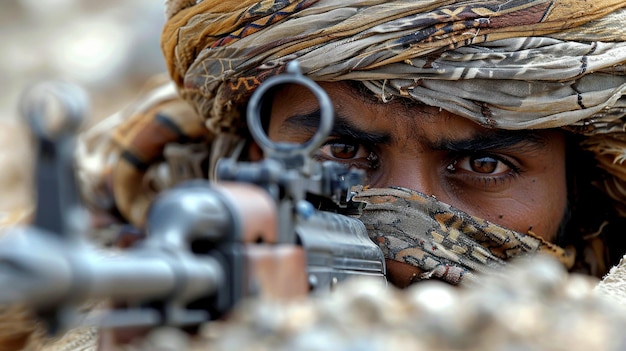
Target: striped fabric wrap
516,64
504,64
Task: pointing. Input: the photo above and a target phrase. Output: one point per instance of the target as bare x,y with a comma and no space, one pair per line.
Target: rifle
278,228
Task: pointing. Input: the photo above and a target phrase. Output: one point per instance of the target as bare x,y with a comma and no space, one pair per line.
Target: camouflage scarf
441,241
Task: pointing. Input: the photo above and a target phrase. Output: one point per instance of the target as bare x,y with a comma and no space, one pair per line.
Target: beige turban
503,64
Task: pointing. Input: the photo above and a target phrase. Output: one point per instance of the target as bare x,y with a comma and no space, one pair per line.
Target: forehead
400,118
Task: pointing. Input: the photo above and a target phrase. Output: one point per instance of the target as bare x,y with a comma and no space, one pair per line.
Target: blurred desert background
109,48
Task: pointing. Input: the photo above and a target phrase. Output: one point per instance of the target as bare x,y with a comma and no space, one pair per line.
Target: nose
415,174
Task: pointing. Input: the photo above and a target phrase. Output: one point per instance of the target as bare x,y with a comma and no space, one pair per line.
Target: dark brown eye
480,165
343,151
483,164
349,152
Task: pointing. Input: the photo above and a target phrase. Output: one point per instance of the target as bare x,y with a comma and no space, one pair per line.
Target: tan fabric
18,328
443,242
218,52
118,158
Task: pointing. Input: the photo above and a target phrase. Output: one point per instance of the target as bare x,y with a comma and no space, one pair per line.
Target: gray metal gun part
270,229
54,111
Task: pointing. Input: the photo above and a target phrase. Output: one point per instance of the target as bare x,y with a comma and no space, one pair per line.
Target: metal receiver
314,199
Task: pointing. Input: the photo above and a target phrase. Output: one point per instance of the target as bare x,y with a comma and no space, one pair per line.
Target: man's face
512,178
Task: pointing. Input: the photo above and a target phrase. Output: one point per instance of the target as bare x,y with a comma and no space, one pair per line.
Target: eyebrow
342,127
493,140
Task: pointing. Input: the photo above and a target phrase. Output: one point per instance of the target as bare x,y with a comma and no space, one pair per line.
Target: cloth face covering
443,242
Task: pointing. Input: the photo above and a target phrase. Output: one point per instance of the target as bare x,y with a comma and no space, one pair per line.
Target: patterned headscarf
515,64
503,64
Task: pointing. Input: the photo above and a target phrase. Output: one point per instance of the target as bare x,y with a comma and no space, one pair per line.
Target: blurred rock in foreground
536,306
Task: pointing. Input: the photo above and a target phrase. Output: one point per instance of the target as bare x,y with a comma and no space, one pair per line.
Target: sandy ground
109,48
